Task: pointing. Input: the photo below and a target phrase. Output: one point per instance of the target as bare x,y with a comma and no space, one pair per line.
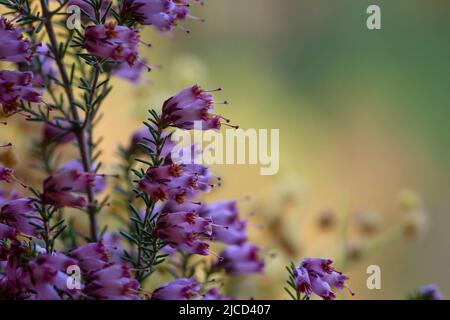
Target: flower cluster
16,86
118,43
47,276
190,106
164,15
14,48
317,275
63,188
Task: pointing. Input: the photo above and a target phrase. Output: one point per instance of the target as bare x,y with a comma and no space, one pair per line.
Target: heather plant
58,76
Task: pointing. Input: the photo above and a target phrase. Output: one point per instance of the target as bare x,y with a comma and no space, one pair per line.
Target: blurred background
363,118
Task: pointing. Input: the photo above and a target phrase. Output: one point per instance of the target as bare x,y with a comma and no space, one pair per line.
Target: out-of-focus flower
14,47
176,181
178,289
241,259
118,43
8,157
409,200
317,275
190,106
58,131
62,188
354,249
44,66
214,294
368,222
227,228
429,292
21,215
113,241
185,231
327,219
16,86
131,73
415,222
6,174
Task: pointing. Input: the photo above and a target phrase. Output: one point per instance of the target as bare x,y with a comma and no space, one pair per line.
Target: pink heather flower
118,43
228,228
114,242
92,256
21,214
61,189
178,289
46,277
191,105
58,131
131,73
44,66
7,231
185,231
321,287
15,86
112,283
241,259
14,47
163,15
430,292
318,265
6,174
303,281
317,275
176,181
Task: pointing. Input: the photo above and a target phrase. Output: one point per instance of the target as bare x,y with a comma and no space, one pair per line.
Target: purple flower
176,182
15,86
317,275
113,241
163,15
228,228
131,73
185,231
44,66
321,287
14,47
303,281
62,188
47,273
112,283
21,215
214,294
318,265
6,174
59,130
241,259
118,43
189,106
430,292
178,289
92,256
